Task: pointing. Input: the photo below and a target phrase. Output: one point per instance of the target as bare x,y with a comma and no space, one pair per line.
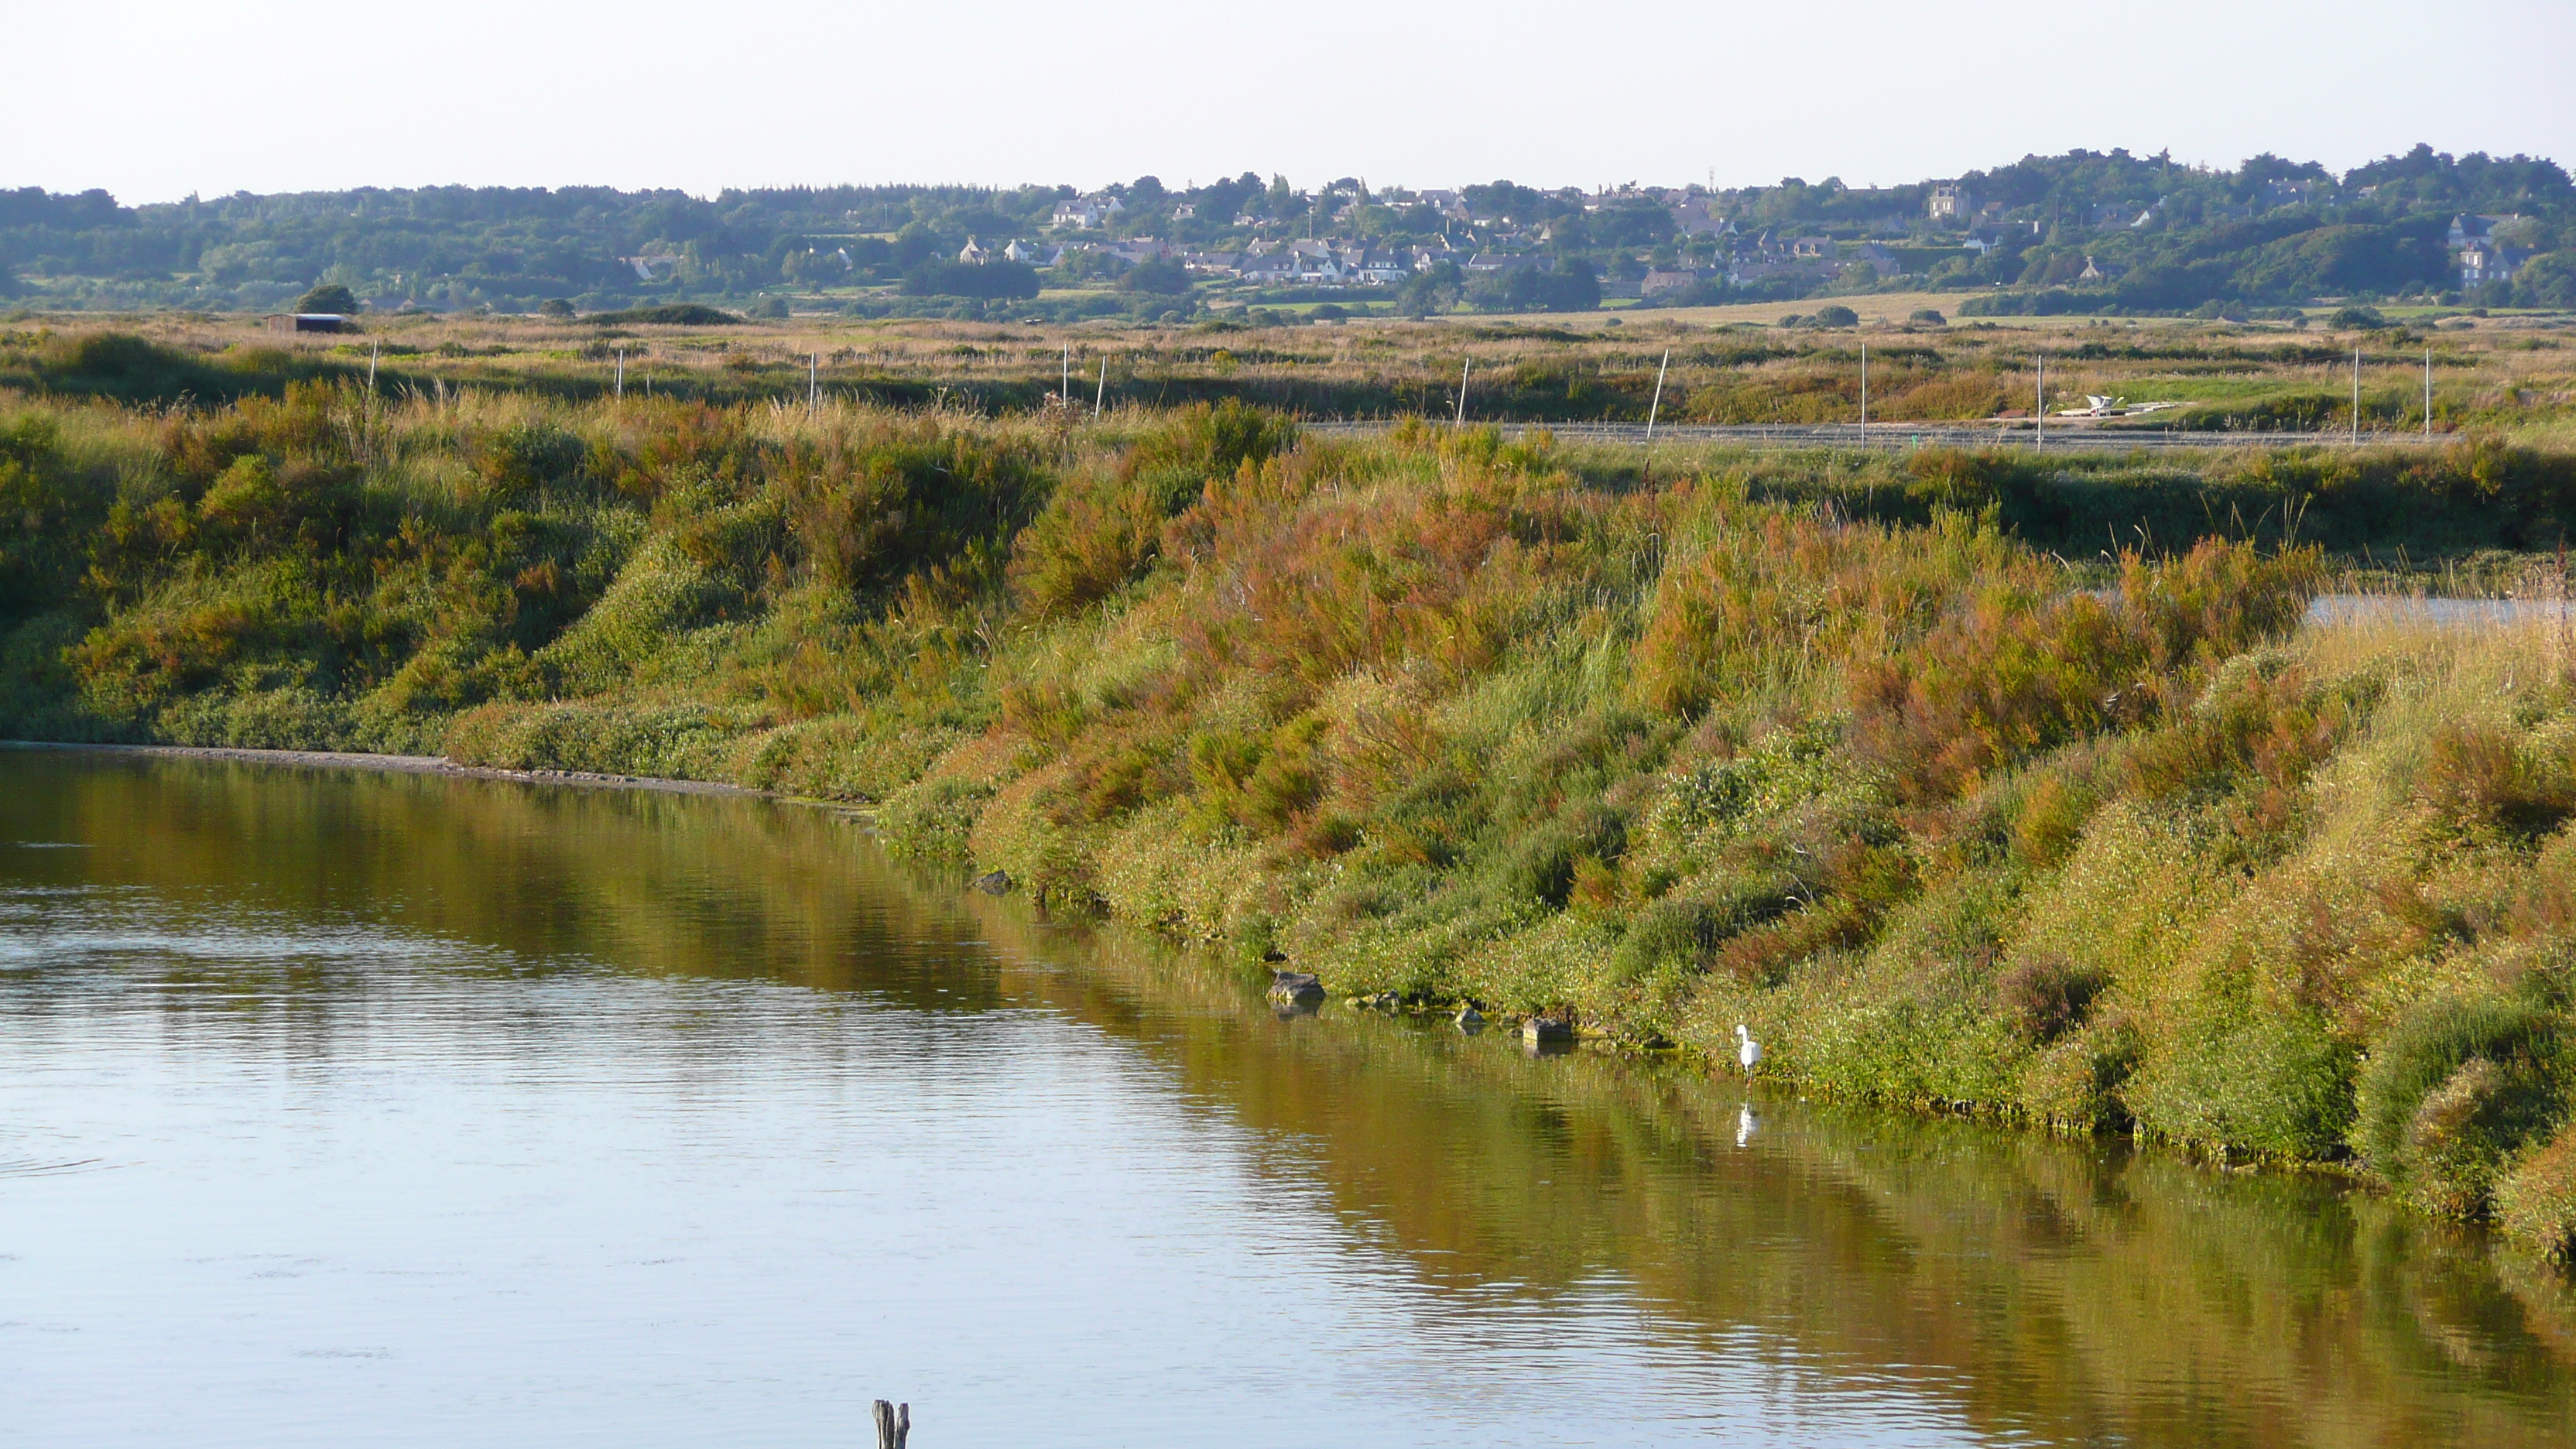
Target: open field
2516,375
1883,309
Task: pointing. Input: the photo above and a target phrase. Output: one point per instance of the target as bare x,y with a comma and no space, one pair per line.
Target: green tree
1435,288
1161,276
328,297
2547,280
1570,286
965,279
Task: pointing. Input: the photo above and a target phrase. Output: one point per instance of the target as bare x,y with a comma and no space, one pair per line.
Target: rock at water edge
1296,988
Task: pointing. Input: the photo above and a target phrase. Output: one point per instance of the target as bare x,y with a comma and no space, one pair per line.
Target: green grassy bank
1968,784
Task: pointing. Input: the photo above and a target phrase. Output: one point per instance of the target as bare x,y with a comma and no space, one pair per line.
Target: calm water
368,1109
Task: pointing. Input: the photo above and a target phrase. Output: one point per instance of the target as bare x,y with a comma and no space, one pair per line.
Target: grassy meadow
1971,782
2510,374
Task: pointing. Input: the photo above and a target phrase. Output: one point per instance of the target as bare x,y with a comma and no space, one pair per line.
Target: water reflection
404,1106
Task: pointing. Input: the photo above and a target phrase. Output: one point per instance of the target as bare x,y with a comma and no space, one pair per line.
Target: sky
154,101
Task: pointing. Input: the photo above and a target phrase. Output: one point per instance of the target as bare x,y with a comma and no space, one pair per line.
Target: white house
1087,212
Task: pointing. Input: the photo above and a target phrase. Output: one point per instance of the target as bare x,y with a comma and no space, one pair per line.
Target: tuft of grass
2460,1086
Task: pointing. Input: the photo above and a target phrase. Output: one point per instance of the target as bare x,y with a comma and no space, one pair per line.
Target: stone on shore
1296,988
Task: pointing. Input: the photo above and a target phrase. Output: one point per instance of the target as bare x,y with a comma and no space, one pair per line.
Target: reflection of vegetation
2062,1291
1834,749
2065,1291
663,883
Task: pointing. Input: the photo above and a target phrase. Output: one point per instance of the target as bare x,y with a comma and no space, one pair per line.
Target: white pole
1463,369
1064,382
1101,396
2356,394
1657,406
376,350
813,380
2039,417
2428,394
1864,389
621,372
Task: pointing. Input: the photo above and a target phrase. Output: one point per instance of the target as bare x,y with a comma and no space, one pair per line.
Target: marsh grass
2505,376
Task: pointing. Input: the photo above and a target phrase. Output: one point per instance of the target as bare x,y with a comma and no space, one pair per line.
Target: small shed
311,322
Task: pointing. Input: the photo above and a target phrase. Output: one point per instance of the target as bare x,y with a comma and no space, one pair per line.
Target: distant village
1703,246
1475,244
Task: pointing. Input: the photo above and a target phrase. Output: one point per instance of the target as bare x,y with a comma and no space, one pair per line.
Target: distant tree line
2154,234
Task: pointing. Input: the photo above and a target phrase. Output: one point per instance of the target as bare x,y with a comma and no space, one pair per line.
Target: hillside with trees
2097,232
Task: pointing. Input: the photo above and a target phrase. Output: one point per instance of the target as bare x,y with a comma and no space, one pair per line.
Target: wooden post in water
894,1423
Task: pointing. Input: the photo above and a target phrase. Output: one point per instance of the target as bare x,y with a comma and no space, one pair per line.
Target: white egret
1747,1050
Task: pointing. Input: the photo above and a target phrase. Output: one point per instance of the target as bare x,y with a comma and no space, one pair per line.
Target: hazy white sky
155,100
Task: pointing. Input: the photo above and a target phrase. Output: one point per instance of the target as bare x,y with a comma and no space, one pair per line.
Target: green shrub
933,818
2535,1201
2046,996
2230,1074
1102,528
2459,1085
2476,779
669,314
